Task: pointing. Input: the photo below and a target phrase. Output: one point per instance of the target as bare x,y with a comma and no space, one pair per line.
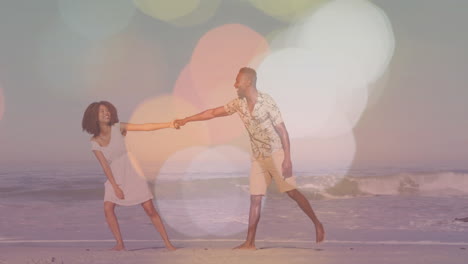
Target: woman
124,186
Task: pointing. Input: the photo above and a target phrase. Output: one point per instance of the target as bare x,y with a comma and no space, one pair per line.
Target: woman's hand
180,122
119,193
174,124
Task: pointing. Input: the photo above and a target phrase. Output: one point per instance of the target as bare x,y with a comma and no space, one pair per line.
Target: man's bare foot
319,233
170,247
246,246
118,248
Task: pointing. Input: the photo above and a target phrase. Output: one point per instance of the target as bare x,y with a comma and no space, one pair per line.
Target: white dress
132,183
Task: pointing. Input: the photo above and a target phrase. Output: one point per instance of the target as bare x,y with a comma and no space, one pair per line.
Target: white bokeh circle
299,82
214,198
325,65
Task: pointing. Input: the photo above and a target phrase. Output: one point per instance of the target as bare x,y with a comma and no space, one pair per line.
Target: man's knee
256,199
294,194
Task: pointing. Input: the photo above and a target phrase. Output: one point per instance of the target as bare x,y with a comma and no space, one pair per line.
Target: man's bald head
250,73
245,81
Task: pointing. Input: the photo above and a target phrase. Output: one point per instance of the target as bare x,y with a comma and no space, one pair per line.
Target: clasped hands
177,123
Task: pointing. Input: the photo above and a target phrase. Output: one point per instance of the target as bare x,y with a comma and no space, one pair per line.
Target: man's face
241,85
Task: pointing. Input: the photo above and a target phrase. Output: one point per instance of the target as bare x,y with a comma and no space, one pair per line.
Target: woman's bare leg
111,219
157,222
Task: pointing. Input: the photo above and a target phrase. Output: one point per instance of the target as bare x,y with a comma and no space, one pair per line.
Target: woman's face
104,115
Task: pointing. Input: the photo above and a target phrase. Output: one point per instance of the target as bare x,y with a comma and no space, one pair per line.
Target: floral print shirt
260,125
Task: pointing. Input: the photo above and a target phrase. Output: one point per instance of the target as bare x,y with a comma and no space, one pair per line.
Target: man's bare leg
305,206
254,218
111,219
157,222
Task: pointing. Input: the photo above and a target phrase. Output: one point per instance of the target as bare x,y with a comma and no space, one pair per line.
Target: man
270,148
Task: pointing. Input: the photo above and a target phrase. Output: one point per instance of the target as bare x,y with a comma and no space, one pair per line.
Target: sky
391,75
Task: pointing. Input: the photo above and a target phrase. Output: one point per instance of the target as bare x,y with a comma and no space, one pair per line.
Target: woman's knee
150,210
109,207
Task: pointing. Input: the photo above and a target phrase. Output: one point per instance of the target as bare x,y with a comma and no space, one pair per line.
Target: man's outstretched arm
205,115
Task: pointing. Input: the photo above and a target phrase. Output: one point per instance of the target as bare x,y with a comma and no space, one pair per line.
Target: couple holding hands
271,159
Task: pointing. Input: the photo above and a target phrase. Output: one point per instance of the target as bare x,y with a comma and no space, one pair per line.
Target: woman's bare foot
319,233
247,246
170,247
118,248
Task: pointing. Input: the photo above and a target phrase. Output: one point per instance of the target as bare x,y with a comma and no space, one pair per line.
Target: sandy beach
220,252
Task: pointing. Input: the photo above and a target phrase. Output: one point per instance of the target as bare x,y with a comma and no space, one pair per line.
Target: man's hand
174,124
179,122
287,168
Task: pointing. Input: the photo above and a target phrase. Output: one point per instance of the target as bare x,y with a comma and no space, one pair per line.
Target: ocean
386,205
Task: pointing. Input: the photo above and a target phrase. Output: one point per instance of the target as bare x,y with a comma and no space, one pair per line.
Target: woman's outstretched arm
145,127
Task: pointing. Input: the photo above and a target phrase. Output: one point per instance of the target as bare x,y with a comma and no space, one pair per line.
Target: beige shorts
267,168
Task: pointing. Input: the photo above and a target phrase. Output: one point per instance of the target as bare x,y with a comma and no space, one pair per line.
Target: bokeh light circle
185,89
351,101
321,162
213,188
217,58
205,10
377,88
208,80
221,130
353,41
286,10
301,85
352,33
151,149
166,10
